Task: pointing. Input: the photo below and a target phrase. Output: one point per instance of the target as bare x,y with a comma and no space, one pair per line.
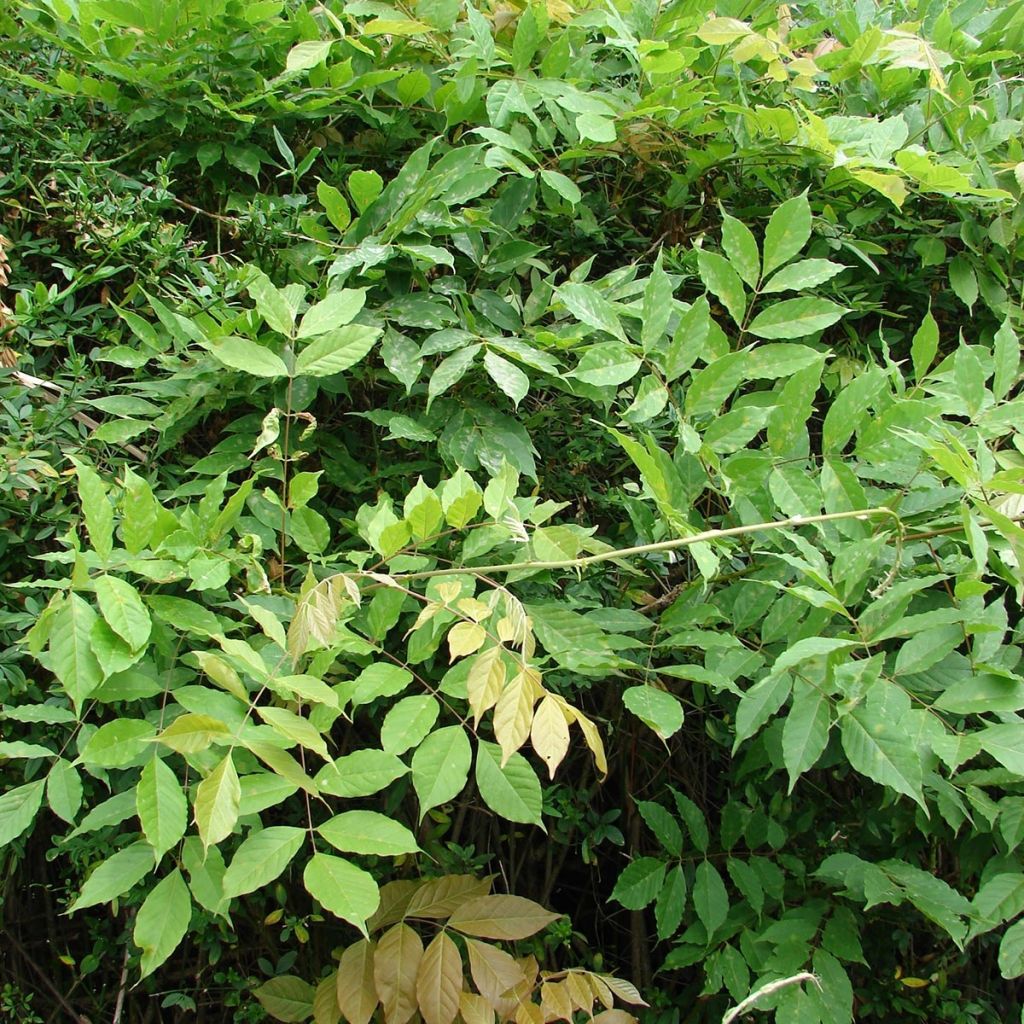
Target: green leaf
407,724
450,371
336,351
663,825
723,282
362,773
162,921
1006,357
925,345
123,610
606,365
671,903
796,318
963,281
512,791
422,510
368,832
658,710
245,355
334,204
802,274
380,679
595,127
693,816
287,998
770,362
64,790
364,187
715,383
338,309
162,807
805,734
530,32
740,247
117,744
308,54
271,302
657,306
1011,951
216,803
261,858
787,233
440,766
759,703
18,808
878,749
184,615
461,499
71,656
509,378
115,876
639,883
96,507
339,886
563,185
710,899
1004,743
590,307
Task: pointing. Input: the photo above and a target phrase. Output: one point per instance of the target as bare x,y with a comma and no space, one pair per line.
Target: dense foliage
466,465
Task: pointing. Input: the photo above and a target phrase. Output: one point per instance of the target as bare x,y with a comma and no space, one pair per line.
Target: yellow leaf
550,733
485,681
395,966
592,738
475,1009
439,898
465,638
614,1017
719,31
494,971
325,1002
395,27
555,1001
915,982
513,714
439,981
474,608
506,631
601,990
529,1013
501,917
356,993
579,991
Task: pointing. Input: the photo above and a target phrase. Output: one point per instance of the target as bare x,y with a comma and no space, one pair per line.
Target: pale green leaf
245,355
796,318
336,351
368,832
261,858
440,766
162,921
787,233
511,791
123,610
342,888
161,804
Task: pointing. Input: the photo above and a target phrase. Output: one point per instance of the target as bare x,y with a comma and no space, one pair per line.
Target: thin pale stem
706,536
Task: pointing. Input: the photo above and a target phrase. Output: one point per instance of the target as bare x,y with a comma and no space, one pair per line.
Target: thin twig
72,1012
665,545
767,990
52,393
